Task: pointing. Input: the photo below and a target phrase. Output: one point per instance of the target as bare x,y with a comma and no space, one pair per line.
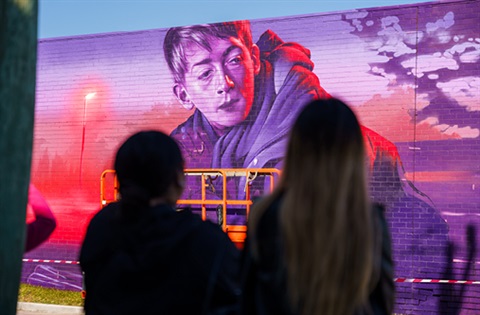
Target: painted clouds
436,66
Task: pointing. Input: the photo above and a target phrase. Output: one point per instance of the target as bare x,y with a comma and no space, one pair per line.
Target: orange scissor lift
237,233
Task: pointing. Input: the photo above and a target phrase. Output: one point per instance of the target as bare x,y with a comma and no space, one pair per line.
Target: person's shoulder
195,221
209,233
108,210
270,218
213,230
100,233
106,214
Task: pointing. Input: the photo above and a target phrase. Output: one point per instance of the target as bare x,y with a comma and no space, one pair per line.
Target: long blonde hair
325,216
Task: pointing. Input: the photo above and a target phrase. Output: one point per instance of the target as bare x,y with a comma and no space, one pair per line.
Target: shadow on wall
452,298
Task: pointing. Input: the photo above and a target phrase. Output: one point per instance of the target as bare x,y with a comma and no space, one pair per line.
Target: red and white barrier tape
52,261
399,280
415,280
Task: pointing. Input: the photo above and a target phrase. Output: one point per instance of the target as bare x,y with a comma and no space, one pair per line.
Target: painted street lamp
87,97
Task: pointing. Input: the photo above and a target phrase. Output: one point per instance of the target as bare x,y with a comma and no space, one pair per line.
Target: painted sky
58,18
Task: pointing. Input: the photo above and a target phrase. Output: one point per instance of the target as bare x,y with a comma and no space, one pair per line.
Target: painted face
220,83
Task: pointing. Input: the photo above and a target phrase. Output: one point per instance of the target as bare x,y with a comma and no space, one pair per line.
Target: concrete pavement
44,309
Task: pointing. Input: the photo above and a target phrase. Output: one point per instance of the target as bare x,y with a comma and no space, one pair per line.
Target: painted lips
228,106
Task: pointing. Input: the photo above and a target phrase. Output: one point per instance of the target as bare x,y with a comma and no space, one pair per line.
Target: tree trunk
18,54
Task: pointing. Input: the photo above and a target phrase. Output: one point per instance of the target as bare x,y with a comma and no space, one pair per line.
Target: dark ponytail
146,166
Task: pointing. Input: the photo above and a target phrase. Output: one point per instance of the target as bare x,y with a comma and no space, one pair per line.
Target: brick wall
410,72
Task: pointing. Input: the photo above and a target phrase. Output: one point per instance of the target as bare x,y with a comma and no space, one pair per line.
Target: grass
37,294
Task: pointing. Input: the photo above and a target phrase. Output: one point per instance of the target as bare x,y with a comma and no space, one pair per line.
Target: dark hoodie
163,262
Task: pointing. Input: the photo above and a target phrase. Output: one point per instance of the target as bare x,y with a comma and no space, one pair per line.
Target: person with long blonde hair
317,245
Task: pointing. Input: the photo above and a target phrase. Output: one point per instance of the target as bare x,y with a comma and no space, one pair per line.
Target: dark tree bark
18,54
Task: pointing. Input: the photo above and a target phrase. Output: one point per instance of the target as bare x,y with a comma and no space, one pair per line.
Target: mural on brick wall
229,92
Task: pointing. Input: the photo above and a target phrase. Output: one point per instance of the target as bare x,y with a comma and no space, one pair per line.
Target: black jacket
264,279
163,262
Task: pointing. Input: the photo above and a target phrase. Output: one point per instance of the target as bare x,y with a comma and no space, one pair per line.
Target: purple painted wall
410,72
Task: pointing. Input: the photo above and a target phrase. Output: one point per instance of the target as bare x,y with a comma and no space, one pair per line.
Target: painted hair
178,38
146,164
325,217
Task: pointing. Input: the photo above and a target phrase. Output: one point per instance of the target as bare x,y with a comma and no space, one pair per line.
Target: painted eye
235,60
205,74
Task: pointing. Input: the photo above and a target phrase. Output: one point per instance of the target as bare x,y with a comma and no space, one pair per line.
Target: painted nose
225,84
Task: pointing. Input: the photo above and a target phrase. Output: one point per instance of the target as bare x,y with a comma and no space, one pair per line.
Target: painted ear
256,59
182,96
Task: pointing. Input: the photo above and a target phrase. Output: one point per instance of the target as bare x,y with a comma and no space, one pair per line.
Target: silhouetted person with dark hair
142,256
39,230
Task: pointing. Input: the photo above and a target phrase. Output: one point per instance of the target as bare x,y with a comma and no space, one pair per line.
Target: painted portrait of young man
245,97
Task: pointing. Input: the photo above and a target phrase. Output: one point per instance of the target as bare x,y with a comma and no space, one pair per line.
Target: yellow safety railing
236,232
103,188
